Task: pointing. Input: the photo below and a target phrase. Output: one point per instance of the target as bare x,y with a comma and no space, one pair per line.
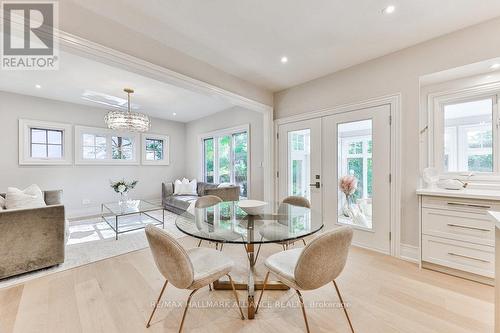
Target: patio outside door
357,144
300,161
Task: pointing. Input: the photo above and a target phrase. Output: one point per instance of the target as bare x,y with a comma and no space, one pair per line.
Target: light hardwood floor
116,295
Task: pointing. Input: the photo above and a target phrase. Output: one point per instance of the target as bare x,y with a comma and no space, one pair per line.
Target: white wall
226,119
79,181
396,73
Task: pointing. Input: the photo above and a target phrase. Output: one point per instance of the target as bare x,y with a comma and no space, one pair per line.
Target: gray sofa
32,238
179,203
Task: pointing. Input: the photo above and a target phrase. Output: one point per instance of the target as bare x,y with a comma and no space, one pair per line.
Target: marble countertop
464,193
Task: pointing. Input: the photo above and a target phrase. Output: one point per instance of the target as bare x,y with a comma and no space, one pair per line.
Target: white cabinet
457,235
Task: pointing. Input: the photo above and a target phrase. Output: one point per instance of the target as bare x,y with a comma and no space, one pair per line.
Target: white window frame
166,149
25,126
80,130
435,126
219,133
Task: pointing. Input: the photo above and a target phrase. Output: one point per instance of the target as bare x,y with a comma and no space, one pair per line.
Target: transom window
46,143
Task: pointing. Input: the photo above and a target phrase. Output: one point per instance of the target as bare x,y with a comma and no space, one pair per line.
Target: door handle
317,185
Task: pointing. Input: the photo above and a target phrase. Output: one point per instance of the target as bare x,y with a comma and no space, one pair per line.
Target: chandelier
127,121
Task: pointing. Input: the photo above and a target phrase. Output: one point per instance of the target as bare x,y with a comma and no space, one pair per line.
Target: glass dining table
227,223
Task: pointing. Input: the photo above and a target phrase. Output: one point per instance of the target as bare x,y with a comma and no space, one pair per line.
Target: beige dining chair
309,268
205,202
274,230
190,269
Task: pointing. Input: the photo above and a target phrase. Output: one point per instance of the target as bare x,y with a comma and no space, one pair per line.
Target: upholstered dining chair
274,229
320,262
190,269
205,202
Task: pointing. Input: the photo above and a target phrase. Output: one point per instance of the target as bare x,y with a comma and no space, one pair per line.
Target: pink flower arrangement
348,185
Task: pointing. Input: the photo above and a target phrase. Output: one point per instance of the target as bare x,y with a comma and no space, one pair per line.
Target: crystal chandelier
127,121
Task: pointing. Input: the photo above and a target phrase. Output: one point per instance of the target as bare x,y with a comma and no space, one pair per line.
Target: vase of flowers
348,185
122,187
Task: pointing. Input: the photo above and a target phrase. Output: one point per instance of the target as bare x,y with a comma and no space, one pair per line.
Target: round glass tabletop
226,222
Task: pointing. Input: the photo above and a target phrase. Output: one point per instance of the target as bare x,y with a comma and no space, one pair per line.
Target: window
42,142
299,163
155,149
104,146
46,143
225,157
468,136
94,146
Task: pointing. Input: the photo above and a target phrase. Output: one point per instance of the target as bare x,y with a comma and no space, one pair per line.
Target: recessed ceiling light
174,114
495,66
389,9
284,60
37,86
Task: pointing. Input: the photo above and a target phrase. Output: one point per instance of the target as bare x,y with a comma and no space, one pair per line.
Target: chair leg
303,309
236,296
221,245
304,241
156,304
262,292
210,287
185,310
199,243
343,306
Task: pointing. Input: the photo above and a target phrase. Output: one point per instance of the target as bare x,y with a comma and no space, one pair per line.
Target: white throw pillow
185,187
30,197
221,185
177,186
2,203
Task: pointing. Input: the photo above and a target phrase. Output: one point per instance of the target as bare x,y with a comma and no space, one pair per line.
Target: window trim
219,133
166,149
435,127
25,126
79,160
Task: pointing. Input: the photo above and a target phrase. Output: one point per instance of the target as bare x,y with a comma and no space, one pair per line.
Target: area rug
93,240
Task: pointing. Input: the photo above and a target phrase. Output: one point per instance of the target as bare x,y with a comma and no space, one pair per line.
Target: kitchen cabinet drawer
457,225
460,204
472,258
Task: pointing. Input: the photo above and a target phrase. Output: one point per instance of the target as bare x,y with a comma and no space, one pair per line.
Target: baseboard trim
409,253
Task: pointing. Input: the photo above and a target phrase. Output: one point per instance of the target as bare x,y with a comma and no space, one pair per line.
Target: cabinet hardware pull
468,205
466,227
467,257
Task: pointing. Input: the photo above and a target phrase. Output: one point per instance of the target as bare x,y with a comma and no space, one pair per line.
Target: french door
316,155
300,161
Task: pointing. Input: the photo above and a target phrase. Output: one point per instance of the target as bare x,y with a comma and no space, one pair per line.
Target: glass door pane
224,150
355,173
208,163
299,162
240,166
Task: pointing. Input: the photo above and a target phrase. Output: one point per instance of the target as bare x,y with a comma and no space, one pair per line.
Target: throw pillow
177,186
30,197
185,187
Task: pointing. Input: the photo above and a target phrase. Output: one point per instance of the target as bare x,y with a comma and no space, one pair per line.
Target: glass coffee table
116,215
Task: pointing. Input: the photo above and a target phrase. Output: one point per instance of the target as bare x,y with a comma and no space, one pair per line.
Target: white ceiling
79,77
248,38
